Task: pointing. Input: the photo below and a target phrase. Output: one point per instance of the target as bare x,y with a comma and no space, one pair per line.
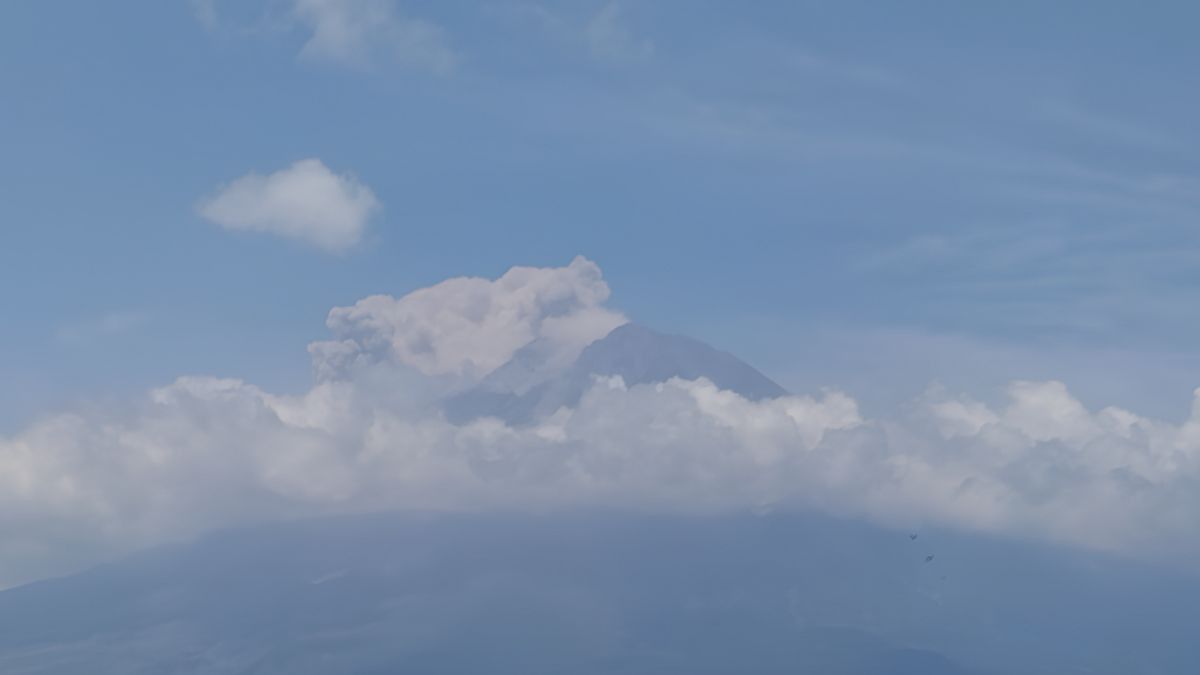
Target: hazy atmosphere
588,336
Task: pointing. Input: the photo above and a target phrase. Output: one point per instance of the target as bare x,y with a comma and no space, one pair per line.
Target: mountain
637,354
442,594
602,593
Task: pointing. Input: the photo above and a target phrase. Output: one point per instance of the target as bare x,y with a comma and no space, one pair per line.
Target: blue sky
869,196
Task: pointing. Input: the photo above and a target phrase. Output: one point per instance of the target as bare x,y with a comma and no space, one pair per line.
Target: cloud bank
306,202
204,452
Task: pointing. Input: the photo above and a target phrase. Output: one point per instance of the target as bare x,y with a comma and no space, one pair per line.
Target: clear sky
872,196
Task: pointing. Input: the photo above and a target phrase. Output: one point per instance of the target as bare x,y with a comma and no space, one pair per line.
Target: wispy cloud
604,35
1045,277
1107,128
360,33
108,325
611,39
808,62
206,13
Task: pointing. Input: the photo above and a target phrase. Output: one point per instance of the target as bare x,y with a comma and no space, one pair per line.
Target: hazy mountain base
589,593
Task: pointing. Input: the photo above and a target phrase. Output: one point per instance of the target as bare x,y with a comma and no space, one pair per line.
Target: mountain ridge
637,354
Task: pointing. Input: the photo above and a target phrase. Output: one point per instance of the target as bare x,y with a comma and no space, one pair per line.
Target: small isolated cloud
306,201
359,33
610,38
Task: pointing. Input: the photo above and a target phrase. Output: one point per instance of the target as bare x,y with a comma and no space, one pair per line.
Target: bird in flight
913,536
929,558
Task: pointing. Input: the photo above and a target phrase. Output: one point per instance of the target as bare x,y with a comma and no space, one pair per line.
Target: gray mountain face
635,353
602,593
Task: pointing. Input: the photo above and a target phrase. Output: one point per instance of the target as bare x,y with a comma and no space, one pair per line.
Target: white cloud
305,201
361,32
205,452
610,38
466,327
1044,464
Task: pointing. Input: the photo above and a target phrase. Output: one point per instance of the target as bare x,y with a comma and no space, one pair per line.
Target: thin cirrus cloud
606,35
610,39
107,325
305,201
369,434
348,33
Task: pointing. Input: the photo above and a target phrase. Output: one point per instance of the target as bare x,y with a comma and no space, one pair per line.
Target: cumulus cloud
467,327
305,201
205,452
361,32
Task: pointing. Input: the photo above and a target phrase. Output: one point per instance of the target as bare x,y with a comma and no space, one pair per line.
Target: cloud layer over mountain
204,452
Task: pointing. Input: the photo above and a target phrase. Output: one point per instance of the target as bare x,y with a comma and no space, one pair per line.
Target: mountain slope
635,353
435,594
640,355
601,593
